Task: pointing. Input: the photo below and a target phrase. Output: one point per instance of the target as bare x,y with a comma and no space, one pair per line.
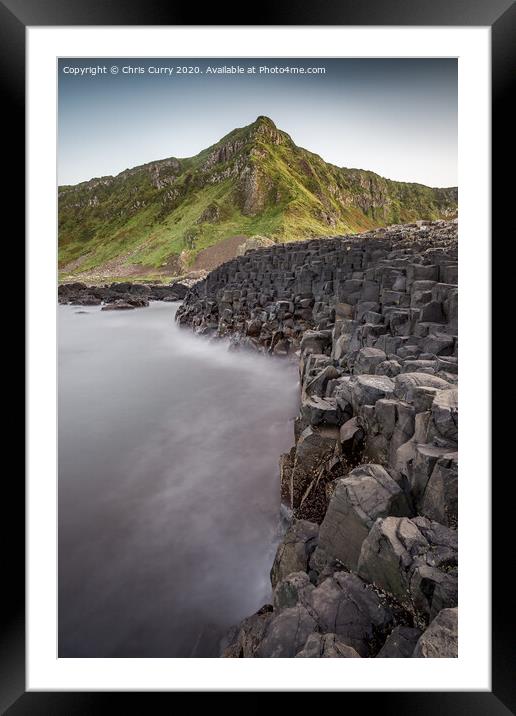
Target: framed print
251,251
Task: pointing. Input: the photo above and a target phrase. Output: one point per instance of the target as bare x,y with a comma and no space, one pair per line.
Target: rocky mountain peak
263,128
262,120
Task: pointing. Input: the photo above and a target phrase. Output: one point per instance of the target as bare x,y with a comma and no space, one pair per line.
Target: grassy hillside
159,216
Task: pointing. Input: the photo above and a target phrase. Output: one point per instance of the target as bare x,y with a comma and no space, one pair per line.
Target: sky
396,117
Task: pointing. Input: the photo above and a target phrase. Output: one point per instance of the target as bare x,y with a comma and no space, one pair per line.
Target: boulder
346,606
414,560
351,437
373,318
248,636
440,640
408,353
340,346
368,492
400,643
447,364
422,272
387,425
324,646
286,633
423,397
432,312
343,311
316,385
364,307
439,501
294,589
390,368
386,416
124,287
434,576
405,383
316,341
321,411
367,389
440,344
138,301
367,359
445,409
420,366
420,468
293,553
118,306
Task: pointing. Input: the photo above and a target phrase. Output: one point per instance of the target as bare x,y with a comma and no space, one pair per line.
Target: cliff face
254,181
368,566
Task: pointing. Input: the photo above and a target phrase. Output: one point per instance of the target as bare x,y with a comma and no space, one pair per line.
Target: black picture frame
15,17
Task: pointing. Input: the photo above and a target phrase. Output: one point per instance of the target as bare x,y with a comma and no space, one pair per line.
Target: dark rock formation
440,639
324,646
400,643
372,321
118,306
134,295
295,550
359,499
413,560
286,633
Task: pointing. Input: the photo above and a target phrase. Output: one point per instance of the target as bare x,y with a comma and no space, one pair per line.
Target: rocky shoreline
121,296
368,566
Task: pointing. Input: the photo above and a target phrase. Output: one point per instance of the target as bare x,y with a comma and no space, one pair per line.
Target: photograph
249,247
249,250
257,357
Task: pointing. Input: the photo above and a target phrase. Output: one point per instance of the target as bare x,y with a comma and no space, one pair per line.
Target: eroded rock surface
400,643
440,640
324,646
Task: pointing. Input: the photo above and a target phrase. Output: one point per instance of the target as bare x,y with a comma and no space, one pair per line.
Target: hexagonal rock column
414,560
368,492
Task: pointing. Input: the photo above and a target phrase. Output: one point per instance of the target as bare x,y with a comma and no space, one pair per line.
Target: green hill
157,217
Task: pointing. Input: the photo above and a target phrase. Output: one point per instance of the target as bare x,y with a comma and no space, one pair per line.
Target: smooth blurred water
168,483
